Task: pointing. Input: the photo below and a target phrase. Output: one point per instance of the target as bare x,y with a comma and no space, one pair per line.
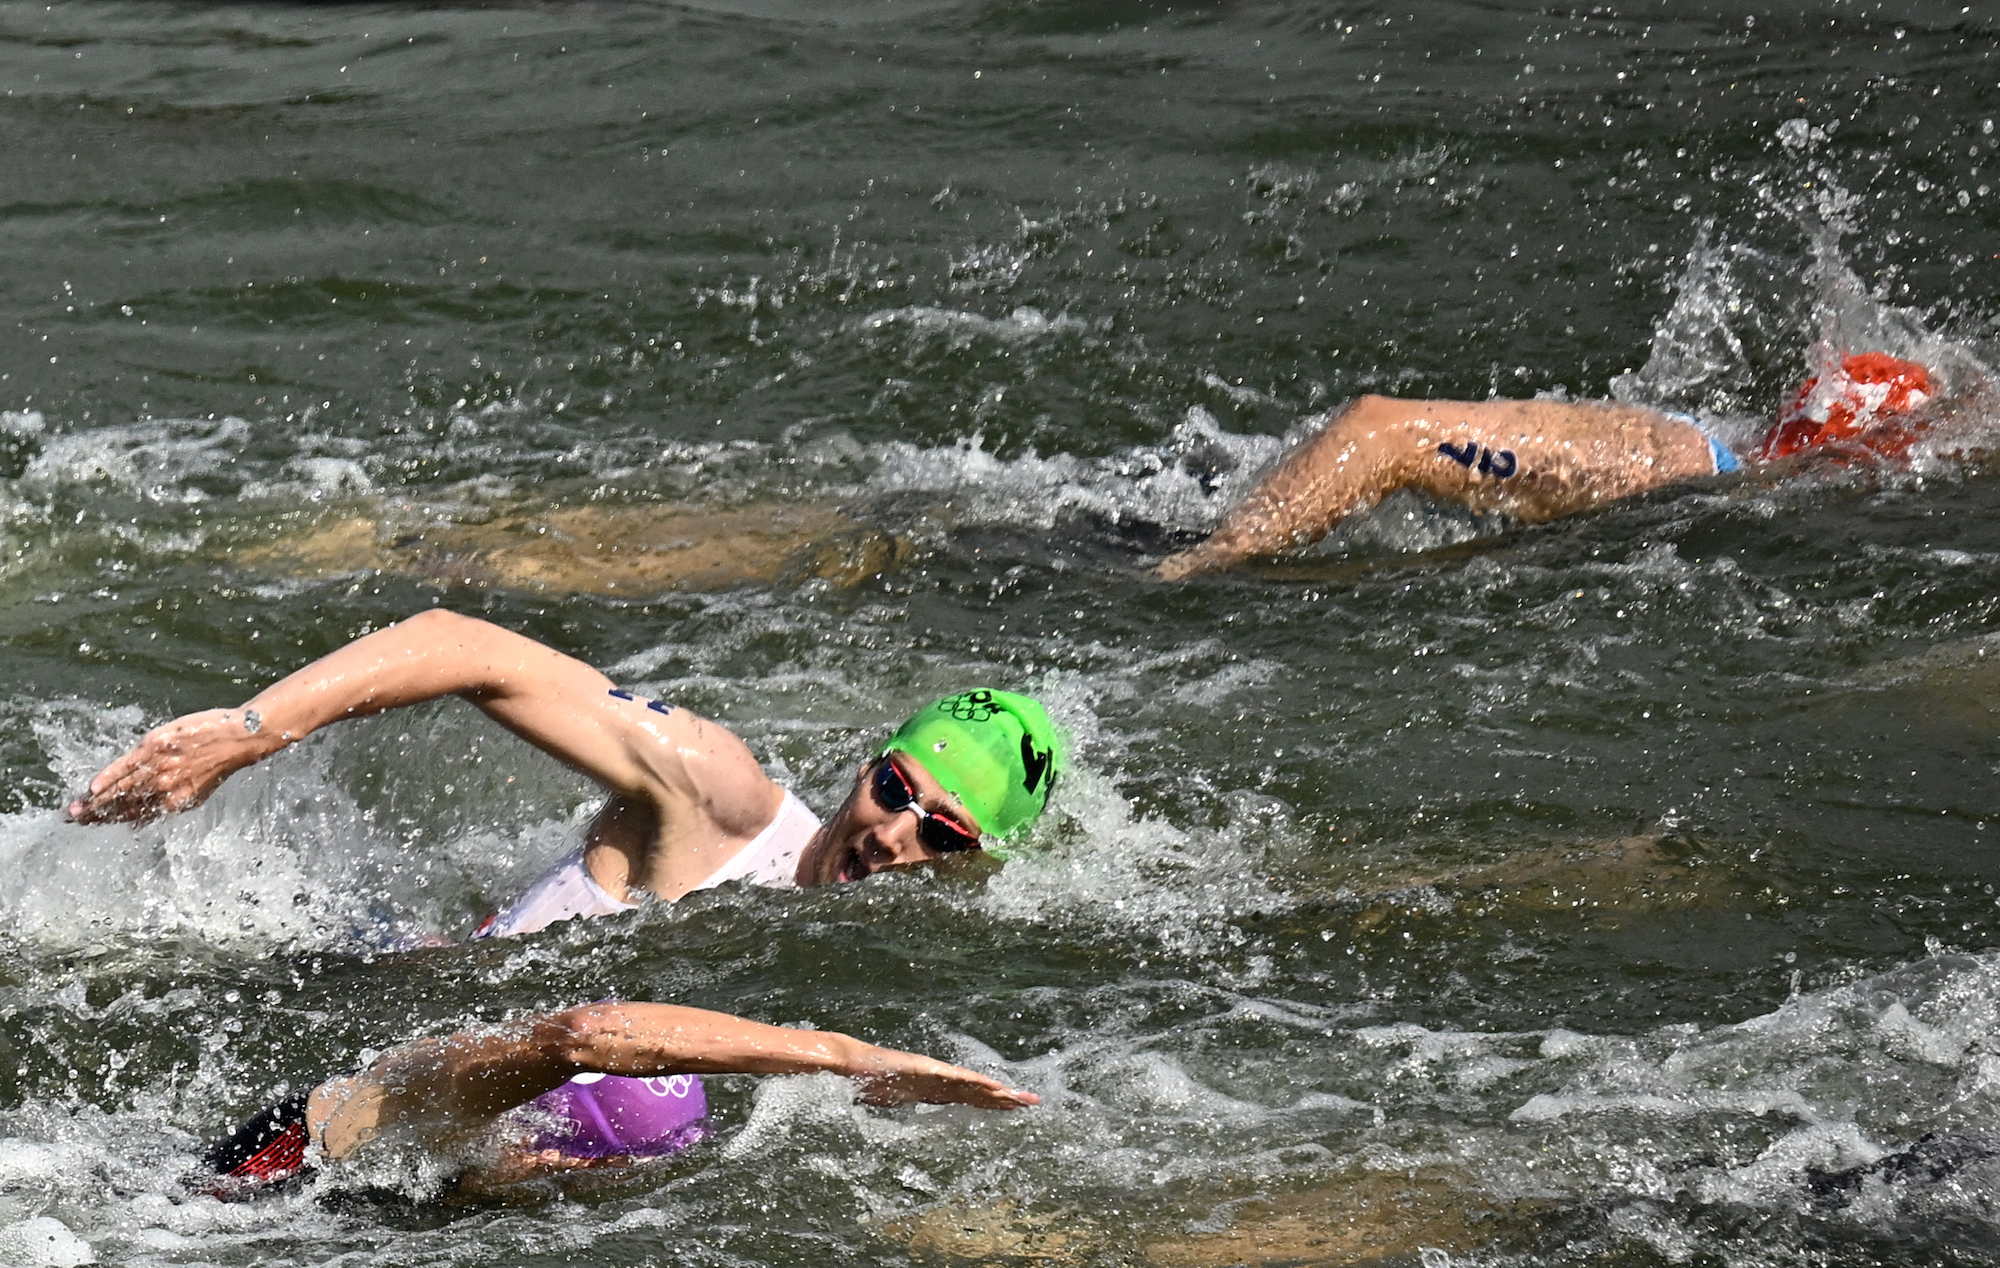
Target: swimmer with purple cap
689,807
604,1083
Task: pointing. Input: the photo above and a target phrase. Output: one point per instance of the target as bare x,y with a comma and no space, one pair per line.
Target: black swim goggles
893,793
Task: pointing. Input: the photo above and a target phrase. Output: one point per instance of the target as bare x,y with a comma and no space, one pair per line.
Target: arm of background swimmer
553,701
1349,465
461,1082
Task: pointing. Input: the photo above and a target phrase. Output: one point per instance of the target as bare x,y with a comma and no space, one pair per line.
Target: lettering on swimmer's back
657,706
1498,463
678,1085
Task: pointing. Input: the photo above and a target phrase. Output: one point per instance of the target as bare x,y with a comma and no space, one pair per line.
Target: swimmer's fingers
923,1079
123,791
174,767
124,803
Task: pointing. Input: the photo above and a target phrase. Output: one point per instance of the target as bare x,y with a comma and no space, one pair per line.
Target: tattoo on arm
1498,463
657,706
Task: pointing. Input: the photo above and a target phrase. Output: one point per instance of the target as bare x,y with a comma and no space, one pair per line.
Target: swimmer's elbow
466,642
629,1039
586,1038
439,623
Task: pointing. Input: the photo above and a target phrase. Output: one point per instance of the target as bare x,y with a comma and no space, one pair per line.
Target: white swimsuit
566,891
772,857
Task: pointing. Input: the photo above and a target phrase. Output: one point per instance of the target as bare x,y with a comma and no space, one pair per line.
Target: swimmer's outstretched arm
1535,460
461,1083
553,701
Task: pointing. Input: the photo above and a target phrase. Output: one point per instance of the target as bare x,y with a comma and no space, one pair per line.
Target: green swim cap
996,751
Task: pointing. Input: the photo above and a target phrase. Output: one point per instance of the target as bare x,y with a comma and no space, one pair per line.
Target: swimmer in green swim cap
966,772
689,806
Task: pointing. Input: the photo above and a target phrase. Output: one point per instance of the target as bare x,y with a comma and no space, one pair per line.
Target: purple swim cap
609,1116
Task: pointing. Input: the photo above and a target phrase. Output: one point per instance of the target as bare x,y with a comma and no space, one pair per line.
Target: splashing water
1470,894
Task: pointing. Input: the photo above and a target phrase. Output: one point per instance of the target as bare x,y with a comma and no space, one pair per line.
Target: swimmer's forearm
1269,522
554,701
178,765
1208,556
460,1081
1346,467
655,1039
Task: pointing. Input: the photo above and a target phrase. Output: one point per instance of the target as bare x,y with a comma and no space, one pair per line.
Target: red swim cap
1877,393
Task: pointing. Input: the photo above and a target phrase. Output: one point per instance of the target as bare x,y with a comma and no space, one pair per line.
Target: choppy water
1559,896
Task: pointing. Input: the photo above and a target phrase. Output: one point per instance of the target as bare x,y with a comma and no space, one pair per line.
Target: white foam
1773,1177
1018,326
25,1161
154,459
1184,484
44,1242
1545,1108
332,476
1236,393
1178,890
1155,1083
780,1106
281,853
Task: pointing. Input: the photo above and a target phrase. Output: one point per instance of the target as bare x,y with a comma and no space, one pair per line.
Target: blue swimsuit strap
1725,459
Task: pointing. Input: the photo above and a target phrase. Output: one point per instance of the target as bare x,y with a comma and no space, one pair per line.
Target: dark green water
1602,877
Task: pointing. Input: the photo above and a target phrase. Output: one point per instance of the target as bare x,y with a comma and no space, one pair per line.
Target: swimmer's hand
904,1078
174,767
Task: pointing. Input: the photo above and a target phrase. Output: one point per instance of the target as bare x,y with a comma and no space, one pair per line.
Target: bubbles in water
161,460
282,853
1724,349
44,1242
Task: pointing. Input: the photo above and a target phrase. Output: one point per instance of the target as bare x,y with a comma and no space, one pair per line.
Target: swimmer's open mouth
851,866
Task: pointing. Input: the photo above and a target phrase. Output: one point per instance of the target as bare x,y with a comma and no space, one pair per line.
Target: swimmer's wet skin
448,1092
689,805
1540,460
1532,460
689,808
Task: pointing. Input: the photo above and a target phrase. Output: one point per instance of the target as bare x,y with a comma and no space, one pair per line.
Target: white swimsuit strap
566,890
772,856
